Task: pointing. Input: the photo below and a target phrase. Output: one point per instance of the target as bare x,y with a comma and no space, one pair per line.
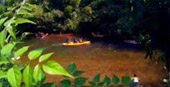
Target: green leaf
3,74
28,6
11,31
7,13
72,67
78,73
7,49
120,86
4,62
107,80
115,79
38,75
28,76
21,51
14,76
97,78
24,35
92,83
12,8
23,11
49,85
126,80
22,20
9,22
21,67
3,20
66,77
34,54
45,57
3,38
1,84
100,84
4,58
65,83
80,81
52,67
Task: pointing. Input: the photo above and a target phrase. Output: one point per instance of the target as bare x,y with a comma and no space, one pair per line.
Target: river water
98,57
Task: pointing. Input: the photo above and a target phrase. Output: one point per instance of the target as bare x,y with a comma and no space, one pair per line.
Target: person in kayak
38,35
98,33
43,35
80,40
75,40
66,40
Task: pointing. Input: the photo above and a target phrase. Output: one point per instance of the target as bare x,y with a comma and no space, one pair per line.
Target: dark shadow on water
119,45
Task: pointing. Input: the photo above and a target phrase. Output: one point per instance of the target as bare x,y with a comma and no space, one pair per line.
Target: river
98,57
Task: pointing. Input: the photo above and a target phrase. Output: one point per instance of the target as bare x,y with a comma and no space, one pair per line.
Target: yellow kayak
76,44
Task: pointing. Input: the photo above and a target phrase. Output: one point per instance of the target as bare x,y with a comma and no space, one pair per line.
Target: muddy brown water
98,58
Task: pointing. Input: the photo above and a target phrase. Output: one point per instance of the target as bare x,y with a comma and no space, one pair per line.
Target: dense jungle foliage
146,21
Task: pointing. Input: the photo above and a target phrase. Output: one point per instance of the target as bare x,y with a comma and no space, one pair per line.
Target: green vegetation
79,81
146,21
11,71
